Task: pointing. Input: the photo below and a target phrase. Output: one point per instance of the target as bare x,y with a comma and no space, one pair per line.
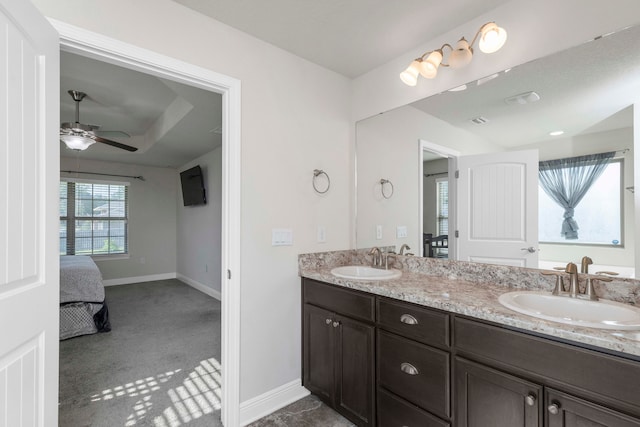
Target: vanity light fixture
492,38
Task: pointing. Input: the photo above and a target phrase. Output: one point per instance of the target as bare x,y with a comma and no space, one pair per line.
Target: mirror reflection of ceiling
582,90
171,123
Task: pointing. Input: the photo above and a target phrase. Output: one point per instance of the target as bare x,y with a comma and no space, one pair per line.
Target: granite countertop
478,300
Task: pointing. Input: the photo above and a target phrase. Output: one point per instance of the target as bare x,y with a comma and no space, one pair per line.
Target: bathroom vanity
424,350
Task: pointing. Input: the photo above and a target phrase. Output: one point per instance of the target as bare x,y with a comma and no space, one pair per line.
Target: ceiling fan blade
115,144
113,133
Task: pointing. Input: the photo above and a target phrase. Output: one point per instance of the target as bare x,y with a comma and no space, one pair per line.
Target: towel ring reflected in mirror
316,174
382,188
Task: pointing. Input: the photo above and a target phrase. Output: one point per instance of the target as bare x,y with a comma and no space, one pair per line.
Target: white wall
535,29
199,227
388,147
295,118
152,217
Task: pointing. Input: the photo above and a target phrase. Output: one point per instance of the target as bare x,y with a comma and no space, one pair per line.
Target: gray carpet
159,366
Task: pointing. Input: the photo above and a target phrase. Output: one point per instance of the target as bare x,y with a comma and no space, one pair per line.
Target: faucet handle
608,273
559,288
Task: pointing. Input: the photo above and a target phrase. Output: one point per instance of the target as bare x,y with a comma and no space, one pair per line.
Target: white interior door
498,208
29,175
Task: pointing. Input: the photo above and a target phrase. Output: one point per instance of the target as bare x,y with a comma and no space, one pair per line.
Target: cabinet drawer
342,301
396,412
415,322
414,371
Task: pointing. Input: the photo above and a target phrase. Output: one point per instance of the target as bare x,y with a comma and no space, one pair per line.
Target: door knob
327,321
336,324
530,249
553,409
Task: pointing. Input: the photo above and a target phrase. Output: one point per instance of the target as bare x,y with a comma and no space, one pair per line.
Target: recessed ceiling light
556,132
486,79
523,98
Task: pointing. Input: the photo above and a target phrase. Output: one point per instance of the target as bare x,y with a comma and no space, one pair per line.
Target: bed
83,309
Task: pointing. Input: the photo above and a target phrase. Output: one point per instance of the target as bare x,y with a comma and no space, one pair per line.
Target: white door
498,208
29,175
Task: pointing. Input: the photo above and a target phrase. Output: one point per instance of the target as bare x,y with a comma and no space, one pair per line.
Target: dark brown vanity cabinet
389,363
338,349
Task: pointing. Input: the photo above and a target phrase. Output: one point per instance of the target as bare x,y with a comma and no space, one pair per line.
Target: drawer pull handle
409,369
327,321
530,399
336,324
408,319
554,409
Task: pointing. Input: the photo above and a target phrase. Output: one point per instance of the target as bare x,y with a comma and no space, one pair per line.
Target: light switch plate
401,232
281,237
322,234
379,232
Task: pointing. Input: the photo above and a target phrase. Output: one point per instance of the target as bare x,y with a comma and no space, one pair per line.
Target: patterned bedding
83,309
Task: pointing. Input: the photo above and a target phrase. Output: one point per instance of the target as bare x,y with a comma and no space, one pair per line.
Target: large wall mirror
588,92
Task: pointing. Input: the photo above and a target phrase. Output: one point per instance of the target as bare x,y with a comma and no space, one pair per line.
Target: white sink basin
362,272
601,314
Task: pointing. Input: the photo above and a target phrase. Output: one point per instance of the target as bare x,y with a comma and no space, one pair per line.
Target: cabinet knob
408,319
554,408
336,324
530,399
327,321
409,369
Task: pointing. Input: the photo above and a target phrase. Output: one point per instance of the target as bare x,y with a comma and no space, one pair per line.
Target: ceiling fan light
492,38
461,55
429,66
76,142
410,75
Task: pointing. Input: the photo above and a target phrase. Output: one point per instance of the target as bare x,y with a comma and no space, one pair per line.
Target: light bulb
429,66
492,38
76,142
461,55
410,75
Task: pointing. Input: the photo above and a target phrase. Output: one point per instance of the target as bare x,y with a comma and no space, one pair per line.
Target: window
442,212
599,213
93,218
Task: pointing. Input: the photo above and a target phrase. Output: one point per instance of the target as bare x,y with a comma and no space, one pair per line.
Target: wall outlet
206,268
401,232
378,232
281,237
322,234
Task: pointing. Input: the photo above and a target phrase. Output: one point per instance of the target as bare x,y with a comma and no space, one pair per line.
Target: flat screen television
193,192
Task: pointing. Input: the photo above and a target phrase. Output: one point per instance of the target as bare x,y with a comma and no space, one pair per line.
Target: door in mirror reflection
498,208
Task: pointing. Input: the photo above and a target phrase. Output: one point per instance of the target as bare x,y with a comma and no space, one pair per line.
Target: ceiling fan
78,136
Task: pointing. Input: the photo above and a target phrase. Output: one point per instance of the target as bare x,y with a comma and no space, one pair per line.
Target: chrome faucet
584,264
403,247
574,286
377,257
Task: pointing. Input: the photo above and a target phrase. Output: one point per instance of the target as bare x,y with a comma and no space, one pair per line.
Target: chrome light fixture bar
492,38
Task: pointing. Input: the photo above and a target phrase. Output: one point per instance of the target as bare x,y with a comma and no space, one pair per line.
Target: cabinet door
564,410
486,397
318,352
355,371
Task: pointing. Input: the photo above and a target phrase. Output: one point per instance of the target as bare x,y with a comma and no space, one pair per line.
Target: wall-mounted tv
193,192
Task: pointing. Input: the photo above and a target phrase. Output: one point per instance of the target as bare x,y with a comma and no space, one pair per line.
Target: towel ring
316,174
382,183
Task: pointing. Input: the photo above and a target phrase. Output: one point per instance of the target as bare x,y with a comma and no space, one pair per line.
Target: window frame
70,220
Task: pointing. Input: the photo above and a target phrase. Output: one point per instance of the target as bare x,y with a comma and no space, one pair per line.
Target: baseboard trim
200,286
138,279
263,405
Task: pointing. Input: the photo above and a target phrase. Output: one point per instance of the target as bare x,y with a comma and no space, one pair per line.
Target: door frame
452,156
96,46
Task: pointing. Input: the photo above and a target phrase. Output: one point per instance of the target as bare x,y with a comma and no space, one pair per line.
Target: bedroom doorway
84,43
